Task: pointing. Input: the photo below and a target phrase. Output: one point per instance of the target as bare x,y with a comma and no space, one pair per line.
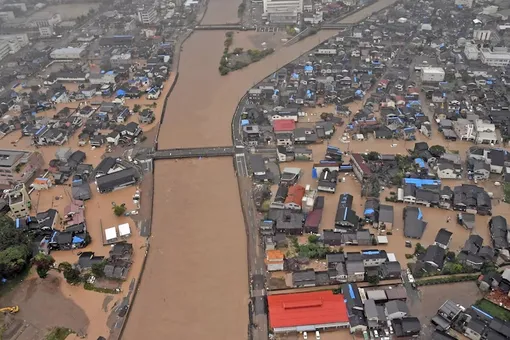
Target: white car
376,334
317,335
305,335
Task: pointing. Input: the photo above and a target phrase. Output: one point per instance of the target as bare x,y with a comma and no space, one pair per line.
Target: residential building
464,3
396,309
406,327
46,31
275,260
22,38
432,74
498,229
116,180
7,16
414,225
373,258
147,15
443,238
46,19
18,166
495,56
19,201
303,278
5,49
434,257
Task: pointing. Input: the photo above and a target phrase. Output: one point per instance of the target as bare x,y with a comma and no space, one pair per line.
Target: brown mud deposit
44,305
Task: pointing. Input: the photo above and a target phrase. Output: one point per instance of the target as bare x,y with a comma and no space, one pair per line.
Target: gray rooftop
10,157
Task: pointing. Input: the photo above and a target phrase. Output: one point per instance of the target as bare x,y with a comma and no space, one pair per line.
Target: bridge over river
219,151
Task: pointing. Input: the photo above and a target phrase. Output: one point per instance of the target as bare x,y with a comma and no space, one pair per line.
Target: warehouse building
307,312
67,53
432,74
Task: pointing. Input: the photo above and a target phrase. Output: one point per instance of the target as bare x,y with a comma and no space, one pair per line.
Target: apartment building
7,15
147,15
21,38
19,201
283,11
5,49
18,166
496,56
46,19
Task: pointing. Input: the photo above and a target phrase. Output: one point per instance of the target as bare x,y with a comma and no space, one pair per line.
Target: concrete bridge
223,27
220,151
335,26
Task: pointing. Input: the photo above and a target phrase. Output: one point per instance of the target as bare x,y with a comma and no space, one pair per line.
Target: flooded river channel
195,285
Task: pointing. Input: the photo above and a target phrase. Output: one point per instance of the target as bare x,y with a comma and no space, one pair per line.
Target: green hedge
90,286
448,279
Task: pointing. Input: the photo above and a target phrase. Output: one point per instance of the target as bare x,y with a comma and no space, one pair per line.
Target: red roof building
284,125
307,311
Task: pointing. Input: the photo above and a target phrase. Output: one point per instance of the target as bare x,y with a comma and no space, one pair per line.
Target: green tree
72,275
63,266
313,239
373,280
488,267
13,260
98,269
419,249
43,264
450,256
238,50
372,156
136,108
119,210
437,150
9,235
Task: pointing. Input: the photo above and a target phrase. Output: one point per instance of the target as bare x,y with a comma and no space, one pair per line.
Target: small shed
124,230
111,235
63,154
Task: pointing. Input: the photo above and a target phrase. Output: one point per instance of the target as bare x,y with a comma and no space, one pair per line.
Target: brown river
195,285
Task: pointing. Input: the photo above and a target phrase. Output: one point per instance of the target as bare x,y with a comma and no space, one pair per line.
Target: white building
471,52
432,74
46,31
48,19
6,16
283,6
482,35
5,49
464,3
497,56
21,38
67,53
147,15
20,6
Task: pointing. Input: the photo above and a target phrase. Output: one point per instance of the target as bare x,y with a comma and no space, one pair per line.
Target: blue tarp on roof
369,211
120,93
420,214
17,223
420,162
245,122
419,182
308,68
77,239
